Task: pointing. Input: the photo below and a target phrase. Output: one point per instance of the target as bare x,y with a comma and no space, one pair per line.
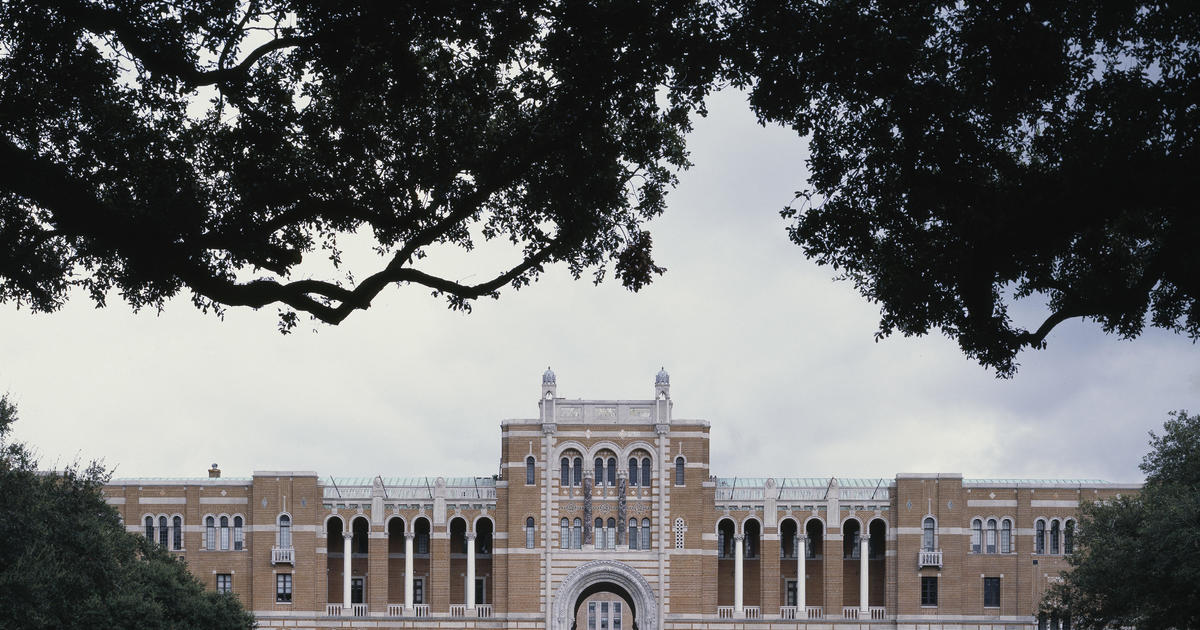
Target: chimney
214,472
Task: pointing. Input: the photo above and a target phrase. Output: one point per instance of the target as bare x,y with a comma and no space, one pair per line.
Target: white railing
878,612
395,610
929,559
358,610
420,610
787,612
849,612
458,610
814,612
333,610
724,612
283,555
753,612
484,610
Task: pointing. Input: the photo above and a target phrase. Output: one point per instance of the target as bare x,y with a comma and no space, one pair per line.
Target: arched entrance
605,575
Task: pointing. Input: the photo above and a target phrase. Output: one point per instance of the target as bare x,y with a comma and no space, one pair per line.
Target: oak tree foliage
966,155
213,147
67,561
1137,559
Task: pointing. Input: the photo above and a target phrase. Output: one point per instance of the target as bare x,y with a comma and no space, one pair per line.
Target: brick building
605,514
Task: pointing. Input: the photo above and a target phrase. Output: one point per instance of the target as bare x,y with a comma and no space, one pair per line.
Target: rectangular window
791,593
591,615
929,591
418,590
224,539
224,583
283,588
991,592
616,620
603,615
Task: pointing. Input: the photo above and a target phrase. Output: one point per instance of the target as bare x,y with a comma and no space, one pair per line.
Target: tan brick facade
287,560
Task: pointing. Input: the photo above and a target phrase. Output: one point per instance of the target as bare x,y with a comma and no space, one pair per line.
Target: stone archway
596,572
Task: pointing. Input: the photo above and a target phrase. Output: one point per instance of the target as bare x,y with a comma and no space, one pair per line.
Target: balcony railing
283,555
484,610
849,612
333,610
458,610
395,610
420,610
929,559
358,610
878,612
787,612
753,612
814,612
724,612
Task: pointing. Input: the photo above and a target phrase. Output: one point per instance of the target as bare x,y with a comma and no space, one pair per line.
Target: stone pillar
863,582
348,548
622,511
801,555
376,594
739,542
587,510
408,572
471,571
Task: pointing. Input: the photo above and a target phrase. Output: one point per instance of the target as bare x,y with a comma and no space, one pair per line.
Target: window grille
1006,536
680,528
928,540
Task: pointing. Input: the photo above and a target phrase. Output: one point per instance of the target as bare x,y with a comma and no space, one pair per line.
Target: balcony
333,610
730,612
420,610
458,610
929,559
814,612
395,610
283,555
752,612
358,610
484,611
724,612
874,613
787,612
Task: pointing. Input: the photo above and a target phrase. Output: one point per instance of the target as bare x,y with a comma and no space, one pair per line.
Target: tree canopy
1138,557
156,147
965,155
67,561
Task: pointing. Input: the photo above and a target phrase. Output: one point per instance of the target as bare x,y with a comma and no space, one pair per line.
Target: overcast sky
759,341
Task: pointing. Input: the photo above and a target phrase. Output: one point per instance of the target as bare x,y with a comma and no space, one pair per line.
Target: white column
408,572
863,582
738,552
801,553
471,571
347,547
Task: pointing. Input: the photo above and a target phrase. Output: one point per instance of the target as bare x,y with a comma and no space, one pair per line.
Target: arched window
177,531
224,533
285,530
577,534
1006,536
599,472
976,536
928,538
565,475
645,534
633,471
610,531
150,528
679,465
529,532
633,534
529,471
989,541
612,471
1039,537
646,471
577,478
163,531
239,538
680,528
722,552
210,533
1054,531
564,535
1069,537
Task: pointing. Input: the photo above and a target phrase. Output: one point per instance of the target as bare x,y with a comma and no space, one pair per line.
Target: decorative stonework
597,571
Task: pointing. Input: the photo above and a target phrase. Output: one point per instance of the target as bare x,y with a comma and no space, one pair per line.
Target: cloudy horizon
759,341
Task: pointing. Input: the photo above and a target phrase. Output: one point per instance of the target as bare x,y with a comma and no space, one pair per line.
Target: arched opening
814,563
788,537
420,559
725,565
877,561
483,561
395,546
594,584
458,560
851,535
360,547
752,564
335,547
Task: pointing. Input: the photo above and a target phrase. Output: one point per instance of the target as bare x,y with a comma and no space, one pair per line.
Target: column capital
739,537
410,535
470,535
549,428
347,535
662,427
